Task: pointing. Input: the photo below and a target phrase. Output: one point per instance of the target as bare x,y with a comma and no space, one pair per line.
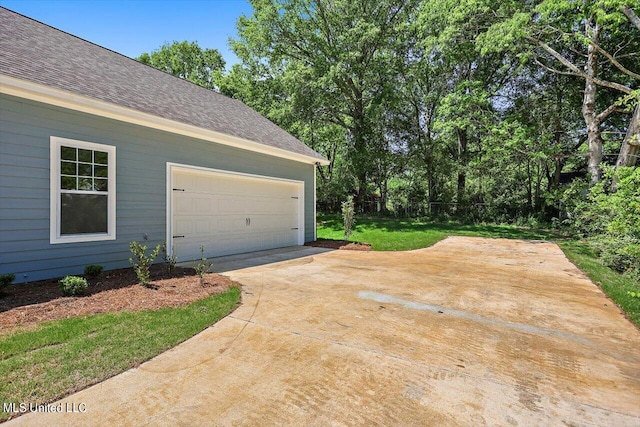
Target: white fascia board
62,98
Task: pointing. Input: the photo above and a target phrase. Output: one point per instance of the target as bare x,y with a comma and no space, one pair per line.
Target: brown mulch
27,304
340,244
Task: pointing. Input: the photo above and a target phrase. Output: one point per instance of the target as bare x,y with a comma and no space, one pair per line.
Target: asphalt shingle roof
36,52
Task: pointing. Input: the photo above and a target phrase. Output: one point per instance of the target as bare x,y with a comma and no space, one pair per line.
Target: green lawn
386,234
67,355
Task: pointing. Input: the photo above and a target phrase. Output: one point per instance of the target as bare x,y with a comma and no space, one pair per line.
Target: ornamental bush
6,280
73,285
92,271
141,261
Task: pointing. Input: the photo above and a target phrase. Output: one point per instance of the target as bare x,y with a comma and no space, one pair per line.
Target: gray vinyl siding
141,158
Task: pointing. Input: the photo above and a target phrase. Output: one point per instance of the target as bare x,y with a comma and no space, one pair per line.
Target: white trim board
62,98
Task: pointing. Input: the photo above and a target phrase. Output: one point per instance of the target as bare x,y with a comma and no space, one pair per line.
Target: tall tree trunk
557,172
630,149
428,154
384,195
462,169
529,187
537,199
594,137
360,152
430,178
631,15
557,138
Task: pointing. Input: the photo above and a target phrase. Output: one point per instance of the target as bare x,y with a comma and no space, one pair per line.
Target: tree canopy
474,108
188,61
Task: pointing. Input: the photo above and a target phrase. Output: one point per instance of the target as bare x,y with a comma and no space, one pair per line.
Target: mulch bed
27,304
340,244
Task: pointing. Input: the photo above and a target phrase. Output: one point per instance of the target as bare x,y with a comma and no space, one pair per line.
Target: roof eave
53,96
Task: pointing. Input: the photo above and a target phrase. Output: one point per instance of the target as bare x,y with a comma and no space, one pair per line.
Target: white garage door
230,213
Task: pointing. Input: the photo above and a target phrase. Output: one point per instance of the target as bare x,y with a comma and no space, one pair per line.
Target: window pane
67,153
85,155
85,184
83,214
100,171
101,157
68,183
68,168
84,169
101,184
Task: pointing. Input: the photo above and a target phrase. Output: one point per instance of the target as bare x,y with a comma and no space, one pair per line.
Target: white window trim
54,197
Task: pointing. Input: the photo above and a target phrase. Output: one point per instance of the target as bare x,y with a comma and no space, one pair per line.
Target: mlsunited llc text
67,407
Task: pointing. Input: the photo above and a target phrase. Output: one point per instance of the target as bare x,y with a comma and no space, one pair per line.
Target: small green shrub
348,217
141,261
92,271
6,280
618,253
633,294
202,266
73,285
169,260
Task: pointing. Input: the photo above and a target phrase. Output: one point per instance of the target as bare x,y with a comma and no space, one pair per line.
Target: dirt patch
340,244
25,305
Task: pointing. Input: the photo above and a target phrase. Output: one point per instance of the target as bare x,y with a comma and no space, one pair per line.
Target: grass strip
64,356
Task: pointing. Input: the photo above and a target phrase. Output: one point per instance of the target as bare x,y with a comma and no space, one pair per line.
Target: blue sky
132,27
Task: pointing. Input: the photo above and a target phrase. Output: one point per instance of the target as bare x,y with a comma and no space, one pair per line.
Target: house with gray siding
98,150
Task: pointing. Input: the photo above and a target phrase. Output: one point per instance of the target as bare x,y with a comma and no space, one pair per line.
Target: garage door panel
265,222
183,226
232,214
232,204
229,225
201,226
183,203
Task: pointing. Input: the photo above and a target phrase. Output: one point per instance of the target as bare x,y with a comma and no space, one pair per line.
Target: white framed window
83,191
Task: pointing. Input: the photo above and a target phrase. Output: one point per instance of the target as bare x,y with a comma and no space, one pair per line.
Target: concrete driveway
468,332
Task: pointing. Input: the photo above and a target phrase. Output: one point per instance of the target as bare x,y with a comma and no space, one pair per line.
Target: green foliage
73,285
621,253
449,108
188,61
6,280
329,65
142,262
170,260
633,294
609,220
348,217
92,271
203,266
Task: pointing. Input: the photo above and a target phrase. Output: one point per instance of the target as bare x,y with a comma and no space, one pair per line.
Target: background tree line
502,111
